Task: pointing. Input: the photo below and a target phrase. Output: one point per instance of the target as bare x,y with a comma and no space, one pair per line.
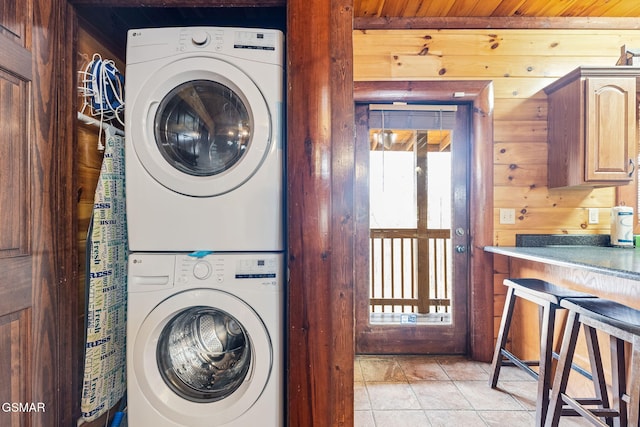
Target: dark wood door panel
14,153
15,20
15,285
14,367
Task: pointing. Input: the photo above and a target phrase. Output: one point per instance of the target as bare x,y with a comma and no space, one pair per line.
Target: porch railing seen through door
410,274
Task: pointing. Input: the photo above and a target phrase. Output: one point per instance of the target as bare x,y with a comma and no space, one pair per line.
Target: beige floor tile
357,372
442,391
573,422
459,369
508,418
525,392
439,395
361,397
363,419
454,418
421,369
512,373
482,397
385,396
381,369
409,418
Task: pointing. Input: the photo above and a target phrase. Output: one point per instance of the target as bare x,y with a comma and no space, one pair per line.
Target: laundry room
266,313
102,63
61,61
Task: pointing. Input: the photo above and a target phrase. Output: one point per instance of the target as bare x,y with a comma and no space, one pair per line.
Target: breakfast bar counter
616,262
606,272
603,271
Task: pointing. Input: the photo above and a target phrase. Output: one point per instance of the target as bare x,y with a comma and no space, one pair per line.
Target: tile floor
446,391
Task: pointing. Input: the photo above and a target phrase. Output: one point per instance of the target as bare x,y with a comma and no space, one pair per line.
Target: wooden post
320,157
423,239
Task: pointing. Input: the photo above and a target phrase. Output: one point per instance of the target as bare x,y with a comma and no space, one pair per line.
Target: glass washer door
202,126
188,311
204,354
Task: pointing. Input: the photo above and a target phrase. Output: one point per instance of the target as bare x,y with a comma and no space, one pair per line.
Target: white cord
102,91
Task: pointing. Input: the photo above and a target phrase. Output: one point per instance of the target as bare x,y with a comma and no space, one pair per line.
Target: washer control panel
256,268
220,268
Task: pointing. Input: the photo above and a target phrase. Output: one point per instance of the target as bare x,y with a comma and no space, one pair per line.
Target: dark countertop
618,262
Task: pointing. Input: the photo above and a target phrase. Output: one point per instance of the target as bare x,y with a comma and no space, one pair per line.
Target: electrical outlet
594,215
507,216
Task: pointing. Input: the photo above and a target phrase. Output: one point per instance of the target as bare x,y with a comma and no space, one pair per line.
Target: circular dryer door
201,127
202,355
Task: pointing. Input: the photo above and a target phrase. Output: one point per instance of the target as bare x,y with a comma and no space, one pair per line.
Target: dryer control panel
254,44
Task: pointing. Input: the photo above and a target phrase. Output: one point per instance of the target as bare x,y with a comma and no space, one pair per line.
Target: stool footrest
520,363
593,414
513,360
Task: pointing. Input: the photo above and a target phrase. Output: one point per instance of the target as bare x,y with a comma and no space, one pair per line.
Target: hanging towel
104,381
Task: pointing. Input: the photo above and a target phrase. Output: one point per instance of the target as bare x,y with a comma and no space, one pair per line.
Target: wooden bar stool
622,324
547,297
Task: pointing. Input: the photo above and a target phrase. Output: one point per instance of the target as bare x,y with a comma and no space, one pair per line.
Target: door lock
461,249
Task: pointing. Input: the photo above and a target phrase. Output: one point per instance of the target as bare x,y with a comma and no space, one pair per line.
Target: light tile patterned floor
442,391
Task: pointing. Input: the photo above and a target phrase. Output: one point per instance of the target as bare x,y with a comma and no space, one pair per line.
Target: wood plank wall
520,63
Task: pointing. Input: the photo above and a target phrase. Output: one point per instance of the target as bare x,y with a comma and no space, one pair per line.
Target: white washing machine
204,139
205,341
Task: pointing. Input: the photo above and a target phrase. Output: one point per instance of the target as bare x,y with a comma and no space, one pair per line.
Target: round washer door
202,355
200,126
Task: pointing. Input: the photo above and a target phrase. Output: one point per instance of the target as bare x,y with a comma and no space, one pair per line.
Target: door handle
633,167
461,249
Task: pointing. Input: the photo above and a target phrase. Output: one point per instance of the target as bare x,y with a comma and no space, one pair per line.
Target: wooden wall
520,63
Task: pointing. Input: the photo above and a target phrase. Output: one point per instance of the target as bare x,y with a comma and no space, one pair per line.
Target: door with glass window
413,222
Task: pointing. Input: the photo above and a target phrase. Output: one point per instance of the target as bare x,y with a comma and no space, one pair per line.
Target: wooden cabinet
592,127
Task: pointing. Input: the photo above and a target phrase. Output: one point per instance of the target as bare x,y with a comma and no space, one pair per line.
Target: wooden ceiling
112,18
495,8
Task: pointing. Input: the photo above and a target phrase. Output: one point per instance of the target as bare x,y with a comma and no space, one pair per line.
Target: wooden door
420,250
32,242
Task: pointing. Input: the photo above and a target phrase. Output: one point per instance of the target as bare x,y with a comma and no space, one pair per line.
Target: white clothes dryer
205,340
204,139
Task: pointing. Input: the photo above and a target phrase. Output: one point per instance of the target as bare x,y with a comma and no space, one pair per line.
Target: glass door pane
410,221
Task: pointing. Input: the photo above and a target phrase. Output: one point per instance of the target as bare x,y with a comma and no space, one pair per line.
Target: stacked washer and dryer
204,170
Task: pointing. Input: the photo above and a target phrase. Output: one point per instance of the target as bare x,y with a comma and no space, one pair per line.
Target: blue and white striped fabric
104,380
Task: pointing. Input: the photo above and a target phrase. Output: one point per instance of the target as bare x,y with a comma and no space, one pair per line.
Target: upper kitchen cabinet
592,127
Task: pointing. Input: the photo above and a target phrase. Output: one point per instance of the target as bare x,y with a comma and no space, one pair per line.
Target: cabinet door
610,129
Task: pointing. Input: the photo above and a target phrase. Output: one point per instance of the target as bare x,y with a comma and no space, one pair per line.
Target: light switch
594,215
507,216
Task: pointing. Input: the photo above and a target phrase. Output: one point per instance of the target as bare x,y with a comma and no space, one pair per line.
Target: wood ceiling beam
520,22
179,3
